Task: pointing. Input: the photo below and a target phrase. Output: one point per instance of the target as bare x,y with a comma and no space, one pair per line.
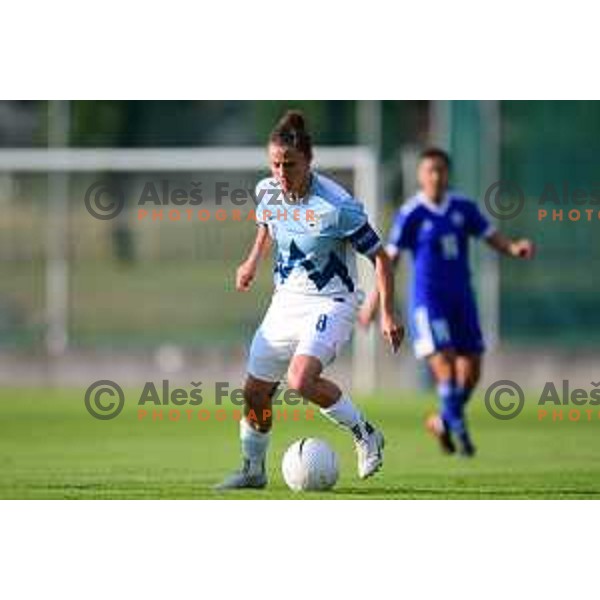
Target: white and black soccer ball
310,464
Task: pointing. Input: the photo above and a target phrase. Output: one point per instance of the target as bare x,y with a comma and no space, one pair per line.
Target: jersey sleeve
354,225
400,237
477,223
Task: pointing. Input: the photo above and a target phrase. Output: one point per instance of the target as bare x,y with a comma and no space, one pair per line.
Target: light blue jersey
316,237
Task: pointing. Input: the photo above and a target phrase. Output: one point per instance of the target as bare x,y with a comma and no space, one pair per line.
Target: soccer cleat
438,429
369,450
244,479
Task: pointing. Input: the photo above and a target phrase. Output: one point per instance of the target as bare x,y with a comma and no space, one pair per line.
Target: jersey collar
439,209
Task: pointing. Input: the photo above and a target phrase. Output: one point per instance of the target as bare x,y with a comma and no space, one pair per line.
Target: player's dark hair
291,131
433,152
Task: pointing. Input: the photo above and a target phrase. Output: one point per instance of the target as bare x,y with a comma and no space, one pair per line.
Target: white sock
254,446
345,414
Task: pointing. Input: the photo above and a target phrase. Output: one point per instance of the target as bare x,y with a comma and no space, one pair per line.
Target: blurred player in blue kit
317,227
436,226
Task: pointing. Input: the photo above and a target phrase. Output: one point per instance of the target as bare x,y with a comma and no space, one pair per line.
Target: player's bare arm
246,272
521,248
369,308
391,330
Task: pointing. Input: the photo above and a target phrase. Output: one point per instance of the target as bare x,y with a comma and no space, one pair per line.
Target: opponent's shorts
450,325
295,324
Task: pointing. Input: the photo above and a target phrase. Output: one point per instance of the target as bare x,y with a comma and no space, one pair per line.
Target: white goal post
58,163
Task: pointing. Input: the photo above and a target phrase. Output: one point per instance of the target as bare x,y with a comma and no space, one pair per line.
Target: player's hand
392,331
523,249
244,276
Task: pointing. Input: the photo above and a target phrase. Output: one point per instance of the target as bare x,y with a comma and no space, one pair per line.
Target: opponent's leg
432,340
255,429
469,345
304,375
449,420
468,372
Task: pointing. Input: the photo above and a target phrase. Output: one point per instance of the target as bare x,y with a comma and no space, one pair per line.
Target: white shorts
317,326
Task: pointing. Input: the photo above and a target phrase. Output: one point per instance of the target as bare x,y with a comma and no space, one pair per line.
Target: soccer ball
310,464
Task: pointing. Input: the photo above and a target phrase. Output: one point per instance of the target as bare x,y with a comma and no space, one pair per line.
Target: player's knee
301,381
442,366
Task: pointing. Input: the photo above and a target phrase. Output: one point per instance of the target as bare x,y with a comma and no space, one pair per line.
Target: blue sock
462,396
450,407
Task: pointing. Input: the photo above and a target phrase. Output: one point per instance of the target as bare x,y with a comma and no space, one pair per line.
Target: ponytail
291,131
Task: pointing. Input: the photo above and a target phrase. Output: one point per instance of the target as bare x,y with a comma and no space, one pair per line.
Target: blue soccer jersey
316,238
438,238
442,305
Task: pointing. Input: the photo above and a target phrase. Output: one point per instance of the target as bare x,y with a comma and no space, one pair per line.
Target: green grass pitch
50,447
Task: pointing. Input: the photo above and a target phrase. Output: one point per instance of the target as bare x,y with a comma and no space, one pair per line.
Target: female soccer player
316,225
435,226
